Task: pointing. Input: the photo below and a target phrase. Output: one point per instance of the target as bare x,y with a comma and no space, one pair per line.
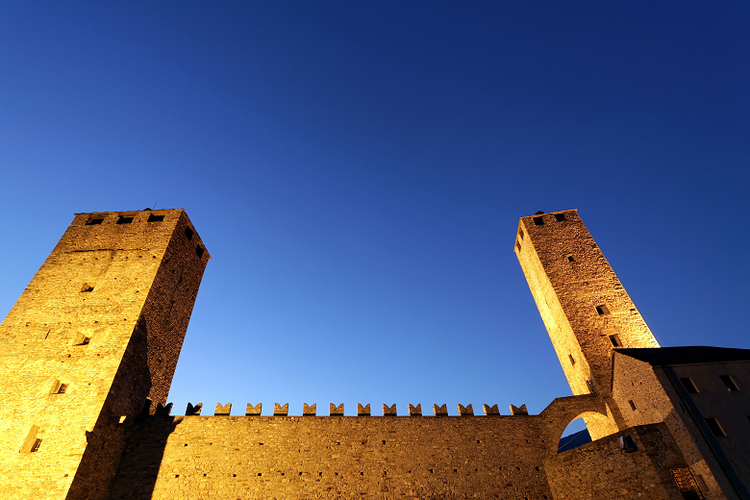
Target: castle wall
74,350
335,457
600,469
655,399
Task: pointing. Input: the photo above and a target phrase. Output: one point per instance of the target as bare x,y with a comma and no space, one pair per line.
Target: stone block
193,410
465,411
389,411
253,411
308,410
514,410
490,410
336,411
224,410
280,411
163,411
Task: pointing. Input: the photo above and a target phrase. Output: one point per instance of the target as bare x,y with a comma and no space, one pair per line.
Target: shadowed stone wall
96,332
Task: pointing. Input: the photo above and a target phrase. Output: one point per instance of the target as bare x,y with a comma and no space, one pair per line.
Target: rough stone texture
105,315
98,332
600,469
656,399
569,278
335,457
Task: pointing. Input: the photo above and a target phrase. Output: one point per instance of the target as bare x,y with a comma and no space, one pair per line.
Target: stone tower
584,306
90,345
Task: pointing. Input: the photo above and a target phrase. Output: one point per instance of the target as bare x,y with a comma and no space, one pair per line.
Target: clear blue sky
357,170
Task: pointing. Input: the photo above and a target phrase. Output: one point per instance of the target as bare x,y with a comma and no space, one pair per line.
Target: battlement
308,410
91,345
92,229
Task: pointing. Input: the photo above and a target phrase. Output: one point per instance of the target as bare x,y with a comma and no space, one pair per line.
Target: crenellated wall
292,457
388,457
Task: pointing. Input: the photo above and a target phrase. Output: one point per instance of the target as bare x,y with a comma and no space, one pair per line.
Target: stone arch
562,411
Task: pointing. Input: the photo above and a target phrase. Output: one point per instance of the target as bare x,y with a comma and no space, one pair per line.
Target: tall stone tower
584,306
92,343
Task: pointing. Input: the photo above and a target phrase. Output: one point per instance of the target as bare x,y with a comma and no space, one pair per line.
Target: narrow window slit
689,385
729,383
715,427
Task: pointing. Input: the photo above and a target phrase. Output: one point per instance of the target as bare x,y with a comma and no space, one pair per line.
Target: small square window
155,218
124,220
520,233
539,221
570,258
94,221
572,359
560,217
689,385
61,389
602,310
87,288
615,339
518,246
632,405
199,251
189,233
715,427
729,382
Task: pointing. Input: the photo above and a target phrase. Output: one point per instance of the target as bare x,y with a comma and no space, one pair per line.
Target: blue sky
357,170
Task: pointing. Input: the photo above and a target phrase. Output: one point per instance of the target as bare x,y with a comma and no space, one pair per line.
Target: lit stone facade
584,306
97,332
89,350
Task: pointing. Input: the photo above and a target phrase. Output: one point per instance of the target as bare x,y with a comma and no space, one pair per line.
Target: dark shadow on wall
122,413
142,459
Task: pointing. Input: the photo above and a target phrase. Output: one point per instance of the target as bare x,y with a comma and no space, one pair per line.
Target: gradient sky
357,170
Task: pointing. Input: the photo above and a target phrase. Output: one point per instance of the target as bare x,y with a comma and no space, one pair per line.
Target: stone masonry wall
74,355
599,469
582,303
646,395
309,457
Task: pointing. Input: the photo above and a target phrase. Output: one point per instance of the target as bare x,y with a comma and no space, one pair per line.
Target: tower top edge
131,211
546,213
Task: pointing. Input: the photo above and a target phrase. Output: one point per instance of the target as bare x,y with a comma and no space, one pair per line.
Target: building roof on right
684,355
